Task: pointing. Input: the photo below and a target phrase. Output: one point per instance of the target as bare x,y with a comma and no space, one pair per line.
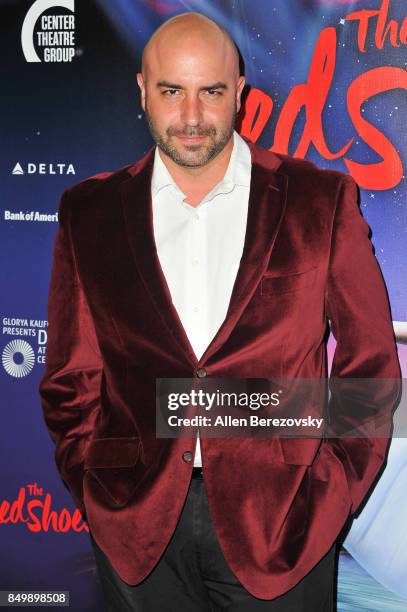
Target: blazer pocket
288,283
299,451
115,464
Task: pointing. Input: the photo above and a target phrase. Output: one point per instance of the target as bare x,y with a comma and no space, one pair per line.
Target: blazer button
187,456
201,372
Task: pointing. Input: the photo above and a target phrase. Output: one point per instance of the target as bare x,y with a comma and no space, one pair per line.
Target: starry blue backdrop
87,113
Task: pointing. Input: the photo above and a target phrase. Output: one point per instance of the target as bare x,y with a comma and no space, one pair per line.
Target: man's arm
358,309
70,387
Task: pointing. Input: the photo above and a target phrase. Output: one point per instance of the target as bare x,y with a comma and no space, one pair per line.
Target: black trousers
193,576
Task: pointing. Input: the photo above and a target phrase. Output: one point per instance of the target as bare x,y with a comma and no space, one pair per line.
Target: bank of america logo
18,358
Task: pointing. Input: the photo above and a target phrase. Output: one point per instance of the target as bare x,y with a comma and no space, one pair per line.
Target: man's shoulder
296,168
98,181
104,184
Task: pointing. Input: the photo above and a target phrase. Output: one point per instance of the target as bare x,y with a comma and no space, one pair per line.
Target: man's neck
196,182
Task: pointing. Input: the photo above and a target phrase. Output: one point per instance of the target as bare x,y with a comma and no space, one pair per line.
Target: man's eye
214,91
170,92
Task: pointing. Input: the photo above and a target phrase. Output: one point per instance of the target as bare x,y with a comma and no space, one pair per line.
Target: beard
192,156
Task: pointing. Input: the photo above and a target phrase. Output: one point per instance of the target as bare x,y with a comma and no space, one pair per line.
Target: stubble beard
199,154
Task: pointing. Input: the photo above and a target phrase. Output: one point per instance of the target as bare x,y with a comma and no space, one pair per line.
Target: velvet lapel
267,199
265,211
138,214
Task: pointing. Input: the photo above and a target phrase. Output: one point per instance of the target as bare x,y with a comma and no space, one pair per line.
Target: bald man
192,115
200,260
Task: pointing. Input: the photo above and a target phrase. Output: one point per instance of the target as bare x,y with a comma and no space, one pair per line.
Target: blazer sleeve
70,386
365,381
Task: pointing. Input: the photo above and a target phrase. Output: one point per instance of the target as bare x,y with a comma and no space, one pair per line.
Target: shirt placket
197,281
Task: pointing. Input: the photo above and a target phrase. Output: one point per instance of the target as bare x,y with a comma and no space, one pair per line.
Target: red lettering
4,508
403,32
45,520
16,512
64,521
363,18
312,96
383,29
34,524
258,108
387,173
49,516
77,522
15,509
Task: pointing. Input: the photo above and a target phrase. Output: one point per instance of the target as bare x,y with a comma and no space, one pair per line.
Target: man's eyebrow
218,85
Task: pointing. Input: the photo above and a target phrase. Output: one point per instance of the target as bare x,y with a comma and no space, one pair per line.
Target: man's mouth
191,139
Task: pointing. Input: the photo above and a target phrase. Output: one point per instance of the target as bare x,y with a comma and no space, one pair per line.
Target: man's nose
191,113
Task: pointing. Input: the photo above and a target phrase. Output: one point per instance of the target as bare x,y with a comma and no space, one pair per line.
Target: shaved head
190,89
190,26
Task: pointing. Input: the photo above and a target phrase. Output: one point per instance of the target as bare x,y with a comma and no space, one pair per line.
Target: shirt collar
237,173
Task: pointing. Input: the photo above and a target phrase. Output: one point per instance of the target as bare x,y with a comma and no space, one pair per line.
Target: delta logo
43,168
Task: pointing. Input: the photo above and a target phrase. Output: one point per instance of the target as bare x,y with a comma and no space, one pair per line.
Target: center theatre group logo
55,37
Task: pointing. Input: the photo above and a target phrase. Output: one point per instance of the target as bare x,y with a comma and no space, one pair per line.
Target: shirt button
195,262
187,456
195,309
201,372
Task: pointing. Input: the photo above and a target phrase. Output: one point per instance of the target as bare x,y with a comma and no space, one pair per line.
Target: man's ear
240,84
140,82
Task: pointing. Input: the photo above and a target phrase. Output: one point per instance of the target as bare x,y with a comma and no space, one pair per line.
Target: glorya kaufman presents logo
18,358
18,355
55,37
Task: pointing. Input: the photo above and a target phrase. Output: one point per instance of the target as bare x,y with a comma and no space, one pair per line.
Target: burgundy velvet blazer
277,505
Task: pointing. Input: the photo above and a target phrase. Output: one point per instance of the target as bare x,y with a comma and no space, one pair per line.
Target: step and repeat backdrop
326,81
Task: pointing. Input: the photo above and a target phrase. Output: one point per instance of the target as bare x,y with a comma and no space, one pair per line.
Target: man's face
191,96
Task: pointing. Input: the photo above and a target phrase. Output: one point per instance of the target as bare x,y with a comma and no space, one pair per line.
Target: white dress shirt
199,248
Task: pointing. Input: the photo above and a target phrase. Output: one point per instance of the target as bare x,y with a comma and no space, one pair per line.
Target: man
209,257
